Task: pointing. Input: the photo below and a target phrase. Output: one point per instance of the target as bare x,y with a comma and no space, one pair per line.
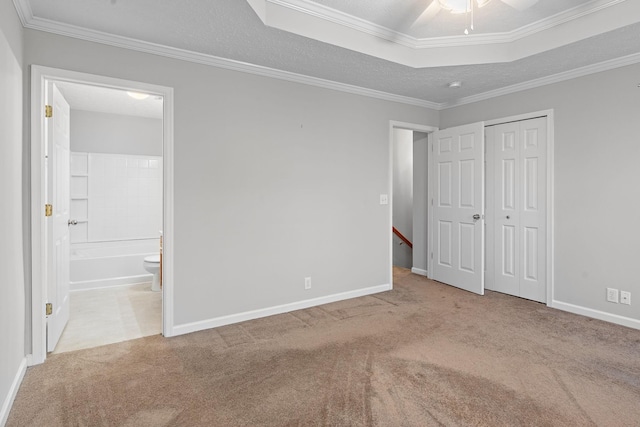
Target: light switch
384,199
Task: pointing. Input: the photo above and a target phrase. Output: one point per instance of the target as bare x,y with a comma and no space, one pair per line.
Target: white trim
325,24
13,391
518,117
544,81
430,226
278,309
114,282
335,16
168,280
596,314
23,8
551,185
412,126
39,76
394,124
419,271
214,61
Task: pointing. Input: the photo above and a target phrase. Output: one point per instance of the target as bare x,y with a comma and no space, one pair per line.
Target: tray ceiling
231,34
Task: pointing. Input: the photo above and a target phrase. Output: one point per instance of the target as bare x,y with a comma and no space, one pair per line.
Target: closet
515,208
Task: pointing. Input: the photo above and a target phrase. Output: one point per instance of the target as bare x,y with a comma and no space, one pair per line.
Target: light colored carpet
424,354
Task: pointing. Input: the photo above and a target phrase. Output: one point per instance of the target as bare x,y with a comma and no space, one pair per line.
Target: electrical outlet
612,295
307,282
384,199
625,297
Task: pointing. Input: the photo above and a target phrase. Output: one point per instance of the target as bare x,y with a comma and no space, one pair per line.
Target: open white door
57,245
458,207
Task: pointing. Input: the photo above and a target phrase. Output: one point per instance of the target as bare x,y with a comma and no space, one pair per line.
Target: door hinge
48,111
431,255
48,209
49,309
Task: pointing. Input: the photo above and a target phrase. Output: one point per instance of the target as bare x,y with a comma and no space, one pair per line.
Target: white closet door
518,198
458,247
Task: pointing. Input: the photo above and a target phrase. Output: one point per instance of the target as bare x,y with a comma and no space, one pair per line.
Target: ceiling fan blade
428,13
520,4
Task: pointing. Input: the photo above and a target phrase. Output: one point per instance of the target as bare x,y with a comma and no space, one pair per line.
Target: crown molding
332,15
310,19
23,8
577,12
29,21
543,81
49,26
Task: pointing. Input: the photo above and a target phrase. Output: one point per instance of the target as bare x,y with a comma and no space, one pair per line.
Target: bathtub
102,264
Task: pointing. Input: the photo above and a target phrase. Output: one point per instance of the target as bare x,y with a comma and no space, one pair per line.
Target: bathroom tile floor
110,315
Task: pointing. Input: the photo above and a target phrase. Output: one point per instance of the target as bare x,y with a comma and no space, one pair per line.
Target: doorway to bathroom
115,215
103,179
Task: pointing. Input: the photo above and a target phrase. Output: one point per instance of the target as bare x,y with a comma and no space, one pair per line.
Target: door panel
58,245
508,251
507,179
518,205
533,209
458,249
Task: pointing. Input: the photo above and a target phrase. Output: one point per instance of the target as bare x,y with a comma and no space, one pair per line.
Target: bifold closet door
517,223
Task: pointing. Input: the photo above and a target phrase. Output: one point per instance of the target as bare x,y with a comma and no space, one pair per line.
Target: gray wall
12,288
274,181
93,132
402,195
420,198
597,208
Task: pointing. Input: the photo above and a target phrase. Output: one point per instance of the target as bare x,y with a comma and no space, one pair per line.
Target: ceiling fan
465,6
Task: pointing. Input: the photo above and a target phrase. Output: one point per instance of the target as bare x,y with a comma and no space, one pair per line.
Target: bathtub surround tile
124,194
111,315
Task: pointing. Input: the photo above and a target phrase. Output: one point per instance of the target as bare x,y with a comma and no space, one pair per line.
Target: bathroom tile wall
123,196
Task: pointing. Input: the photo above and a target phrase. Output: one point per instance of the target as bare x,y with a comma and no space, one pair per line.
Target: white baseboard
15,385
270,311
107,283
419,271
597,314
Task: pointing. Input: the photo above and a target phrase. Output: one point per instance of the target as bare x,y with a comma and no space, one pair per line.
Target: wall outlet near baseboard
612,295
307,282
625,297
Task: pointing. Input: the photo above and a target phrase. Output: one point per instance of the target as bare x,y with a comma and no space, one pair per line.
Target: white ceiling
108,100
324,39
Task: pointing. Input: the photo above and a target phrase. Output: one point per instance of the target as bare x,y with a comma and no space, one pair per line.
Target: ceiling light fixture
463,6
138,95
455,85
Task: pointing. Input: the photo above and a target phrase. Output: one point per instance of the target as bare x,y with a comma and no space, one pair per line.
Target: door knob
72,222
476,217
508,217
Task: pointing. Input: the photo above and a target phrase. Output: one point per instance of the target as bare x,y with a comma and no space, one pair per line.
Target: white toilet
152,265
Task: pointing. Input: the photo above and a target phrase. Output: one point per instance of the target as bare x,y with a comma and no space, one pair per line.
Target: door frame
393,124
549,114
39,77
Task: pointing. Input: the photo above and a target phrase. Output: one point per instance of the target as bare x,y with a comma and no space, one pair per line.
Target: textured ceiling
230,29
